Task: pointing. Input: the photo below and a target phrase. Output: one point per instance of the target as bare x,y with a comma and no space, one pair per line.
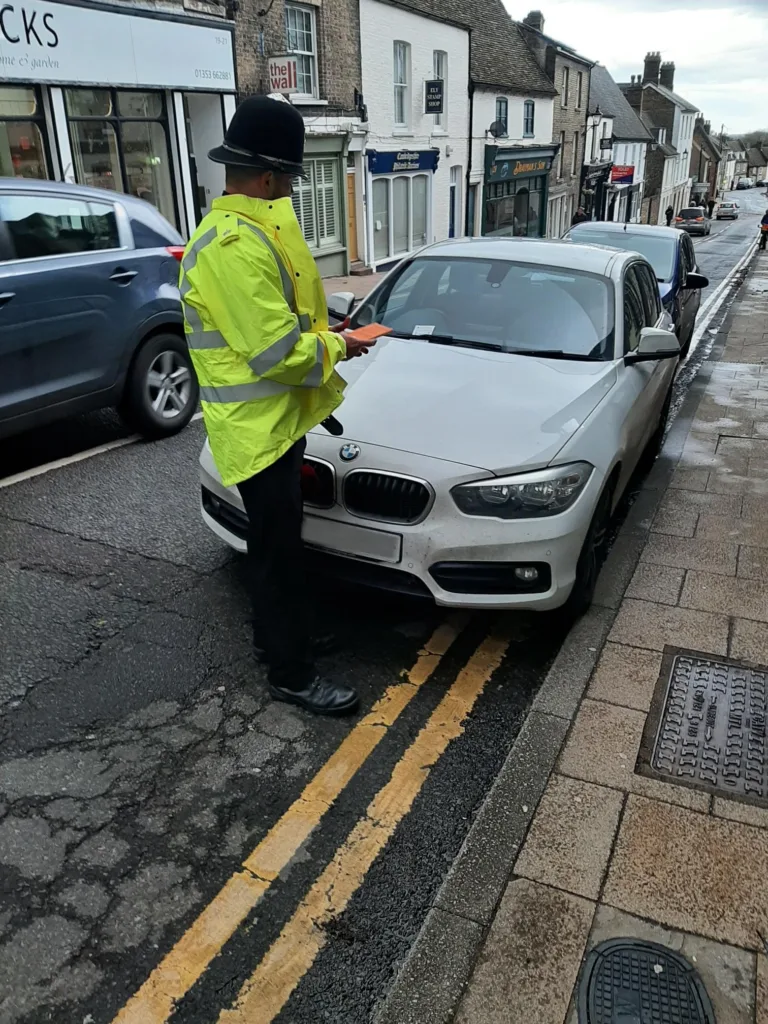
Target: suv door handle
6,297
123,276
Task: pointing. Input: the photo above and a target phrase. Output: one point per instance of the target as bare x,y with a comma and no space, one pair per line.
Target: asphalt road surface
170,838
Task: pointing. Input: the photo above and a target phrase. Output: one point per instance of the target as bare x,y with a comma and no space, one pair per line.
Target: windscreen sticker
423,329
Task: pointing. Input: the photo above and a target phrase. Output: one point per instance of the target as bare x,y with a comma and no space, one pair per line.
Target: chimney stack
633,79
534,20
708,127
651,69
667,76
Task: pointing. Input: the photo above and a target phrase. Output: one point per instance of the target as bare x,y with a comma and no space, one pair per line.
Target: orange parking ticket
370,332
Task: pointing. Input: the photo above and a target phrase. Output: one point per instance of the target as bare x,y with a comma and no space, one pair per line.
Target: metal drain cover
707,726
629,981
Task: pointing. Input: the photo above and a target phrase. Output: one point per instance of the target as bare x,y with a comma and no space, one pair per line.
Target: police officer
256,323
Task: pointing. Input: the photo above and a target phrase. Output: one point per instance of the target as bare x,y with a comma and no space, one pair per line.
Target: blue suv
89,309
673,258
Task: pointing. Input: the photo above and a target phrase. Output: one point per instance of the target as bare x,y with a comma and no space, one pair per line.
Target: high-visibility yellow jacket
256,323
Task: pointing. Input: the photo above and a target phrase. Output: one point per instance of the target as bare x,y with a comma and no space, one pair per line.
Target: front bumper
454,559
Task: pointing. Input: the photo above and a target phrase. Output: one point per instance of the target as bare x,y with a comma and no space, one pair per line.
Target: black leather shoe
325,643
322,697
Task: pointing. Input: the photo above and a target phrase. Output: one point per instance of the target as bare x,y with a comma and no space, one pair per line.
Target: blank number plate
346,539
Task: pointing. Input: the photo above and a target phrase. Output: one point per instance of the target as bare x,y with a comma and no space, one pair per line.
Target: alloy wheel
169,385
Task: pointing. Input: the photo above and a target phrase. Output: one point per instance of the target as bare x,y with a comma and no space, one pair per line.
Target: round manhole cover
628,981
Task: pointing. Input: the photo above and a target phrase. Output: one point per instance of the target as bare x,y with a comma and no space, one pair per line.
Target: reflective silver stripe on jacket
205,339
276,352
244,392
288,290
187,263
315,376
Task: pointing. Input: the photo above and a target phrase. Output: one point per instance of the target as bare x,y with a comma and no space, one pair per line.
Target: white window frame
337,241
389,178
440,70
505,119
402,88
566,87
305,9
529,105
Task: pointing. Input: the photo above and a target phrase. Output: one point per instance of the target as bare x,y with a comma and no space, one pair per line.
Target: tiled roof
686,106
756,158
500,58
605,93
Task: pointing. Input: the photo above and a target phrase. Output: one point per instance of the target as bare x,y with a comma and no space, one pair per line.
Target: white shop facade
117,98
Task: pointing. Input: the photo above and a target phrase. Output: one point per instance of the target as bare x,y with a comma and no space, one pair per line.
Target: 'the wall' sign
283,74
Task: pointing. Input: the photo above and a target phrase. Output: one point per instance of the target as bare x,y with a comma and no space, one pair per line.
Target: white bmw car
488,438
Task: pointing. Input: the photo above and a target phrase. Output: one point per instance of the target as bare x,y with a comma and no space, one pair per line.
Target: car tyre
161,393
656,442
591,559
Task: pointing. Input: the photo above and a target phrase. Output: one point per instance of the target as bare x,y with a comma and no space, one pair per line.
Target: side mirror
340,304
693,281
654,344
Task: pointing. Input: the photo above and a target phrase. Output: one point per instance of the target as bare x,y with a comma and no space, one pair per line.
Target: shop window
502,114
316,202
514,208
22,133
402,53
440,61
399,215
58,226
528,118
301,32
120,142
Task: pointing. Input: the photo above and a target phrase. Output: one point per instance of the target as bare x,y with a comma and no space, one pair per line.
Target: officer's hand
355,347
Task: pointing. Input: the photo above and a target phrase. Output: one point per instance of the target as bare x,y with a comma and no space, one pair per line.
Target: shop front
399,203
595,190
129,101
515,191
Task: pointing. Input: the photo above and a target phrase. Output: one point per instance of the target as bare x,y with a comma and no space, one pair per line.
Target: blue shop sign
403,160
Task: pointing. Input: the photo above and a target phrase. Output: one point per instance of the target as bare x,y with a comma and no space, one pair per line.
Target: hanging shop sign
283,72
622,174
403,160
434,93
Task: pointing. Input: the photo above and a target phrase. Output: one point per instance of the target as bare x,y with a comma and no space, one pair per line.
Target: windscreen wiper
450,339
554,353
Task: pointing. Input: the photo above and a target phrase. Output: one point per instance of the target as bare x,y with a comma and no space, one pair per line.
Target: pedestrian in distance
763,232
669,213
256,324
711,207
579,217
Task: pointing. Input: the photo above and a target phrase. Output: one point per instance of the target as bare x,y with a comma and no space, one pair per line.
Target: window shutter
327,201
303,203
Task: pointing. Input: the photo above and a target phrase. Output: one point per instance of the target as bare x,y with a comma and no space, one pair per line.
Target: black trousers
281,603
761,243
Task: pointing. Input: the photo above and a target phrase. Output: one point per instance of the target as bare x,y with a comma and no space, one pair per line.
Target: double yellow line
293,952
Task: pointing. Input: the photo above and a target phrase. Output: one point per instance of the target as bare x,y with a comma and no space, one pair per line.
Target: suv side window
650,293
58,225
690,255
634,312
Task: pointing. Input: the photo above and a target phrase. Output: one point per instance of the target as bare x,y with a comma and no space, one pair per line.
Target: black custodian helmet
266,134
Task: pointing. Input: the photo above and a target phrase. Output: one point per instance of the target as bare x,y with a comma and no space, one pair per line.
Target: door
639,383
690,299
65,300
351,217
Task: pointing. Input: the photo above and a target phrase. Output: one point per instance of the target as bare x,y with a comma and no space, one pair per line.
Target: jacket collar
268,212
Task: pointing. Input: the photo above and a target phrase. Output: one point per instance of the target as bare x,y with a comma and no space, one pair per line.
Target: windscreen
512,306
659,250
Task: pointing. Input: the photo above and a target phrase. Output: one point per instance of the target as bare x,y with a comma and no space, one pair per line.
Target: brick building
705,162
670,120
135,111
325,38
570,73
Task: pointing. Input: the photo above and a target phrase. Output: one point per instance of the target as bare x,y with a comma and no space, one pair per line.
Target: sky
720,49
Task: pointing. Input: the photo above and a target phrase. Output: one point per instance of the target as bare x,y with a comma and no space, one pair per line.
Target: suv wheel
161,392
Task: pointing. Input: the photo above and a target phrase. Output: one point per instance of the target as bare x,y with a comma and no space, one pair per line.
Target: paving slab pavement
609,852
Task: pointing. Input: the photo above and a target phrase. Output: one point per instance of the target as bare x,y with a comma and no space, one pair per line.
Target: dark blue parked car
89,309
673,258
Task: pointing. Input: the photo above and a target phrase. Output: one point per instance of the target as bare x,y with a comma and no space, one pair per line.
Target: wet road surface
171,838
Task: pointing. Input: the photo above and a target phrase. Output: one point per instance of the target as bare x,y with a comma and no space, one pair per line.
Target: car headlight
524,495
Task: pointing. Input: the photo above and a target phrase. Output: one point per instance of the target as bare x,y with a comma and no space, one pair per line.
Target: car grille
394,499
318,483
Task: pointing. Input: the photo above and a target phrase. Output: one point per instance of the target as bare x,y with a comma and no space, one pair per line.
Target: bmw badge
348,452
